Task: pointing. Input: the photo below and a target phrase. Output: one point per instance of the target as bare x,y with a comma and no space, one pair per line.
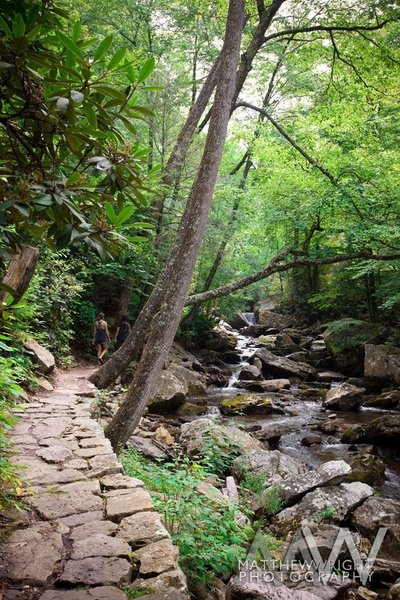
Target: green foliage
209,539
68,140
254,482
52,295
326,514
136,592
10,482
84,315
218,453
200,327
347,334
272,500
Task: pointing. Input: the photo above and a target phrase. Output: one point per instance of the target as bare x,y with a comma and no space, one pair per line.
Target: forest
199,299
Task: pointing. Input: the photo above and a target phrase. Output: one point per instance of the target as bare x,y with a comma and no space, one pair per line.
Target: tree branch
275,266
291,141
327,28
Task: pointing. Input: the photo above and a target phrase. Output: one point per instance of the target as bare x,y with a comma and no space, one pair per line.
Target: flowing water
302,418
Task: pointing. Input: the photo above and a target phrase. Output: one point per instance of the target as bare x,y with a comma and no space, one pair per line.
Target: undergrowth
207,532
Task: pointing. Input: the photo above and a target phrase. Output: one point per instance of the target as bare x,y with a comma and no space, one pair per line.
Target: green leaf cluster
68,136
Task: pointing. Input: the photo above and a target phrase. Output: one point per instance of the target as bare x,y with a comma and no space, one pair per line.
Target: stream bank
281,419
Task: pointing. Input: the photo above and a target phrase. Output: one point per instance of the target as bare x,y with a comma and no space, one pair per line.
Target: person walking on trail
100,337
123,331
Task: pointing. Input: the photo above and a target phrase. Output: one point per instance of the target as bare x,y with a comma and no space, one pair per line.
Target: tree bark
246,161
124,300
247,58
176,276
19,273
276,266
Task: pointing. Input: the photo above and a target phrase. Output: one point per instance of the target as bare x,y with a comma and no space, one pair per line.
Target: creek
302,418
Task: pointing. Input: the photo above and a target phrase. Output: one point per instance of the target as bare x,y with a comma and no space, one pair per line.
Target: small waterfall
246,350
249,317
213,412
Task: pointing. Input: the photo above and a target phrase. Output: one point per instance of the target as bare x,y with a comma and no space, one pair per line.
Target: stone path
89,532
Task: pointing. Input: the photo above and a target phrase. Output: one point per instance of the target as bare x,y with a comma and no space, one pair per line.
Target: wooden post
19,273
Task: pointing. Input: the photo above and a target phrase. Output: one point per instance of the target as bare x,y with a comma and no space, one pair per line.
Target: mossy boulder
368,468
345,340
387,400
249,404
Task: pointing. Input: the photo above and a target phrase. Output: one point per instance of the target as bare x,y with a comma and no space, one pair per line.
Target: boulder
336,501
257,587
394,592
294,487
387,400
147,447
220,338
344,397
368,468
256,362
301,356
284,344
365,594
231,358
254,330
43,384
249,404
382,364
272,319
345,340
351,435
216,376
196,436
181,356
191,410
329,376
311,439
42,357
279,366
384,430
318,346
270,385
272,433
163,436
378,512
273,464
191,380
250,373
171,393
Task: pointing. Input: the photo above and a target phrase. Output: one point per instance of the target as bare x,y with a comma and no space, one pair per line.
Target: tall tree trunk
247,58
19,273
124,300
176,277
131,349
188,320
247,162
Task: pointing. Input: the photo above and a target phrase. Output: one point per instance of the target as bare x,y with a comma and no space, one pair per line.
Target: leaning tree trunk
19,273
176,277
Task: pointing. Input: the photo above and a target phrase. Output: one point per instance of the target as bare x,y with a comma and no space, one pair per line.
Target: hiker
100,337
123,331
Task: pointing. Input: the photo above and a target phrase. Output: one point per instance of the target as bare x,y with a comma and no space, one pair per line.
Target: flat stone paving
88,532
